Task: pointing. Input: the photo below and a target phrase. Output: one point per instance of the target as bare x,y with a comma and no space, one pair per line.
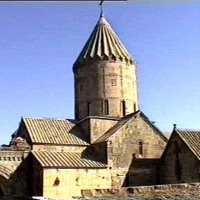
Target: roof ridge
153,125
46,118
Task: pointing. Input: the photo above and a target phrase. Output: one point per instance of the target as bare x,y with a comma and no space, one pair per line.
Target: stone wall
100,81
70,182
96,126
179,165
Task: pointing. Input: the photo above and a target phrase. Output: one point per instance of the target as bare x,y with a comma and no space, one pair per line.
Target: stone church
109,144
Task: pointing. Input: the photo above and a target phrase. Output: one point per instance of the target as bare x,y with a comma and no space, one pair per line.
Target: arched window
141,152
123,105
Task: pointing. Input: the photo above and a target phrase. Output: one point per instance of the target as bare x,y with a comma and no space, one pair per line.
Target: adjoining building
180,162
109,144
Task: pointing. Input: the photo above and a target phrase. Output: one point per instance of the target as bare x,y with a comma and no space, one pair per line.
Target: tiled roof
125,120
191,139
5,172
103,44
54,131
65,160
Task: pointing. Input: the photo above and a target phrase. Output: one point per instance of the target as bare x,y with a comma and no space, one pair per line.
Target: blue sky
39,42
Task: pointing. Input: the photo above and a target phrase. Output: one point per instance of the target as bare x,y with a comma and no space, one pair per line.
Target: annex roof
103,44
54,131
124,120
5,172
191,139
65,160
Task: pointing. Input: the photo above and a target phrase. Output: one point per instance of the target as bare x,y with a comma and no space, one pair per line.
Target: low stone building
180,162
63,161
11,157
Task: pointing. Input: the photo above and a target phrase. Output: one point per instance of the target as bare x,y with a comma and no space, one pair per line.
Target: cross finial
174,126
101,7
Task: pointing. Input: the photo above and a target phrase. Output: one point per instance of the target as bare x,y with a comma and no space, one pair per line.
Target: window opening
113,82
134,107
123,108
88,109
140,148
106,107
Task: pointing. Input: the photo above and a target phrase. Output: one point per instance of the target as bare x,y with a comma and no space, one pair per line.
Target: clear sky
39,41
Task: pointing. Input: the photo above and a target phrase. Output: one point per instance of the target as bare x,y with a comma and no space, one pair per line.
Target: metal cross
101,7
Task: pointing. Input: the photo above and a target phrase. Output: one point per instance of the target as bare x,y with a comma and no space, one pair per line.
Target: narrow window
134,107
81,88
140,148
88,109
113,82
106,107
123,107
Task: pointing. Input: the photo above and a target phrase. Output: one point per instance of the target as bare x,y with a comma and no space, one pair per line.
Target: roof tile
65,160
102,44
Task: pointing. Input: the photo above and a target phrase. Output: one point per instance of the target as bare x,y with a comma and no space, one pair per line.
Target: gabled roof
65,160
53,131
153,126
191,139
124,121
103,44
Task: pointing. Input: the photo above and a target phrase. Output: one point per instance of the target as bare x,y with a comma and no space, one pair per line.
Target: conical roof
103,44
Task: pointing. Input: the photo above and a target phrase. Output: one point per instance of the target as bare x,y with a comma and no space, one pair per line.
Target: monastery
109,144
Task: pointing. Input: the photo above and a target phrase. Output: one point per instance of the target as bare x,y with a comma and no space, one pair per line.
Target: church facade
109,144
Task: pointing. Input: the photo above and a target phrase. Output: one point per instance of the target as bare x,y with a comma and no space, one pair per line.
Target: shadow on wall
5,181
142,172
1,192
78,132
96,152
